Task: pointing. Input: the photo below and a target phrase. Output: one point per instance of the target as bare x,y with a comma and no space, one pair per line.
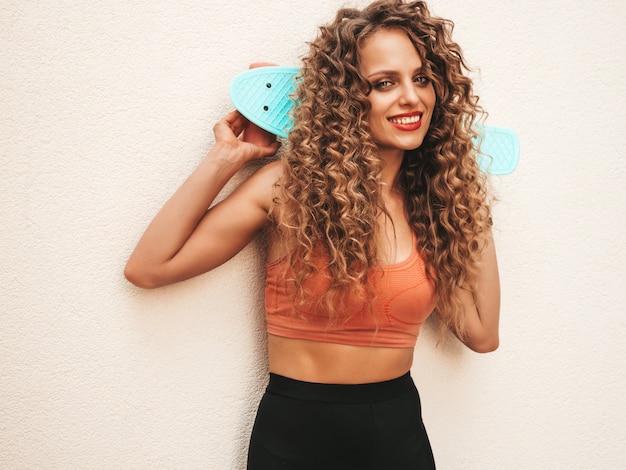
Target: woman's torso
324,362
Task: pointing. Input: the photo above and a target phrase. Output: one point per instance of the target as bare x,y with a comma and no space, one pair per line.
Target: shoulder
270,172
267,176
261,185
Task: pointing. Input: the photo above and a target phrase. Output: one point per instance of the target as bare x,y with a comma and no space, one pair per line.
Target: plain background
106,107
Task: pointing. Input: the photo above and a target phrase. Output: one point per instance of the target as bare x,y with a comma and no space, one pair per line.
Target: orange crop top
404,299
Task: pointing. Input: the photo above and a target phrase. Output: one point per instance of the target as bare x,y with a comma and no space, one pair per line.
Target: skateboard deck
264,95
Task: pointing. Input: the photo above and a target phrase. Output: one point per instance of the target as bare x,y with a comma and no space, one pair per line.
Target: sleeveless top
403,299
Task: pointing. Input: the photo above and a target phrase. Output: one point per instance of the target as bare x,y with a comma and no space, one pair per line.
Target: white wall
107,106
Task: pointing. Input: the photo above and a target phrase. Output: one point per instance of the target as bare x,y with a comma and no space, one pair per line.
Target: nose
408,94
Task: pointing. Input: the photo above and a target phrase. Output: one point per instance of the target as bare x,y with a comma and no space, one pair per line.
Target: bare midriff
314,361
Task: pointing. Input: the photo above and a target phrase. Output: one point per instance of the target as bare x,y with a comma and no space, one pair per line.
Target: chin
412,145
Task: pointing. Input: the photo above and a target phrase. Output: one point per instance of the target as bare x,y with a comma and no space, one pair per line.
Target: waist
341,393
331,363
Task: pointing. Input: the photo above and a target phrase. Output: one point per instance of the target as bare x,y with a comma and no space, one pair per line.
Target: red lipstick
407,121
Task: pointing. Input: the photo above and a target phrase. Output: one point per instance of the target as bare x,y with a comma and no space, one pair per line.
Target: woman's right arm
185,239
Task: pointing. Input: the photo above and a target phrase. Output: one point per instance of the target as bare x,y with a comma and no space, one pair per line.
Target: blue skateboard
264,96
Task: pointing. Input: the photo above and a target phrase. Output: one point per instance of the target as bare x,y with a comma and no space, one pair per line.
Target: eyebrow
395,72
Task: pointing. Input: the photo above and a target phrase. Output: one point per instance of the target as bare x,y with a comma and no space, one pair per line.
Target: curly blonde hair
329,194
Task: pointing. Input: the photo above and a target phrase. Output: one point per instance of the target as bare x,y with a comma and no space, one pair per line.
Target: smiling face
402,97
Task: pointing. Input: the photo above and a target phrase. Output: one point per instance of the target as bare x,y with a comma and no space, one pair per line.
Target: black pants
302,426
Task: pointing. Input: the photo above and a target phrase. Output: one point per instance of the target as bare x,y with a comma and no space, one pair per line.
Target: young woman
376,214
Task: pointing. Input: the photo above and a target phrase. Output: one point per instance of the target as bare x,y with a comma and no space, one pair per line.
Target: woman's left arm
483,315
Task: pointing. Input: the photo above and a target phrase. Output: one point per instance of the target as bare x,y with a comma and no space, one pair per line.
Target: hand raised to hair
229,131
244,136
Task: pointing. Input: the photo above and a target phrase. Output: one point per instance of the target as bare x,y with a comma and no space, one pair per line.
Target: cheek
376,106
430,97
375,114
437,92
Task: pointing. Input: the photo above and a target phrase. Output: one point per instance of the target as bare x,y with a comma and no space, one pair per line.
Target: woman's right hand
230,131
236,129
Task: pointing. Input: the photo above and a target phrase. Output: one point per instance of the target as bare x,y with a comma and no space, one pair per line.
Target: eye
422,80
382,84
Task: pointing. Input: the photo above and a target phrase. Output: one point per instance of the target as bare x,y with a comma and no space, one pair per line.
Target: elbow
139,277
485,345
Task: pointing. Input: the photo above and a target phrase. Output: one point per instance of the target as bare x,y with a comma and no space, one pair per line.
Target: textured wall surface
107,106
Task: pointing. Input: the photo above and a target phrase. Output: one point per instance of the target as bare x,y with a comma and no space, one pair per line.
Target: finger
267,150
255,65
262,150
256,135
271,149
235,118
235,121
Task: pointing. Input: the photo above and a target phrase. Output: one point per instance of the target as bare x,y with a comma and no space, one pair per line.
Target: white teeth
406,120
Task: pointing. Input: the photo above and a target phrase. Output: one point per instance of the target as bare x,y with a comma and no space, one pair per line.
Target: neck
392,160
